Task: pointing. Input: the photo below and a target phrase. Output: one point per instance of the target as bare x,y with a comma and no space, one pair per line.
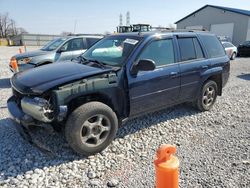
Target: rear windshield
213,46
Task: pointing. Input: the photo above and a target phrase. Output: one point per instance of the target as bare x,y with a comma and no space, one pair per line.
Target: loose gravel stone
113,183
213,147
91,174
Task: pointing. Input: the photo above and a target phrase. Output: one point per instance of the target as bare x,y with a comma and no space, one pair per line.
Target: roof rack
84,34
185,30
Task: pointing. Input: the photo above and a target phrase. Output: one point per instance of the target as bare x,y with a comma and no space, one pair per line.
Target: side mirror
62,49
143,65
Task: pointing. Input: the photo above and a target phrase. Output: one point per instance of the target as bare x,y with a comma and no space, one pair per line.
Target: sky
99,16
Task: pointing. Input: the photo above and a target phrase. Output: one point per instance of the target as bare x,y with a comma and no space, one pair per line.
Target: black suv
119,77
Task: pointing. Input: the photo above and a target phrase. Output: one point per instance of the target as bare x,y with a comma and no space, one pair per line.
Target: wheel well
75,103
218,79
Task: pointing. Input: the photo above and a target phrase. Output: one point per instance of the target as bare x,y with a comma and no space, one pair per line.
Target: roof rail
183,30
84,34
162,28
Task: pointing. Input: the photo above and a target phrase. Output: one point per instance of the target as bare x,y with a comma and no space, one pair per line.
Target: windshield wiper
98,62
86,61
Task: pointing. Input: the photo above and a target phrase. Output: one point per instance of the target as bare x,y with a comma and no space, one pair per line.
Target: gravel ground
213,147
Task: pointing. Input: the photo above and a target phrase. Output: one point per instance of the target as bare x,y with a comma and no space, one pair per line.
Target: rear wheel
91,128
207,96
233,56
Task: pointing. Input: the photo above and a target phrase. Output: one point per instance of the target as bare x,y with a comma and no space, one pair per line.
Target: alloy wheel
208,96
95,130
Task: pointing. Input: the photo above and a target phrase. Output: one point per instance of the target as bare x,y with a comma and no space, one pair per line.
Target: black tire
82,128
210,89
233,56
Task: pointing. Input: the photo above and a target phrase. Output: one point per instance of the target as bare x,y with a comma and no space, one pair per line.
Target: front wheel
91,128
207,96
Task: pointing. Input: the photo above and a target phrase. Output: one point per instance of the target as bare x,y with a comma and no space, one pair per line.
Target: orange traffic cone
166,167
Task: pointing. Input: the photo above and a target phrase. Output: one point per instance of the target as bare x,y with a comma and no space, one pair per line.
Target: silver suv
60,49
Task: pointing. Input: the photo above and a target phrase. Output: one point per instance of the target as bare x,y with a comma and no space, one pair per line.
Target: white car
230,49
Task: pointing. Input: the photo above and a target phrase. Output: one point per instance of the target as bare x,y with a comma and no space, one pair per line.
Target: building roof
235,10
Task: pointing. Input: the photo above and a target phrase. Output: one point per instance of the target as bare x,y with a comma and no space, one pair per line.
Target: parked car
230,49
60,49
120,77
244,49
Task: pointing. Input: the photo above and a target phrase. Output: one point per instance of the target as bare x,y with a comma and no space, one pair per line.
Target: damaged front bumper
23,121
34,111
17,114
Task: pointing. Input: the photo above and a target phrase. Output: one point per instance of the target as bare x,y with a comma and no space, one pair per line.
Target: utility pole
120,20
75,27
128,18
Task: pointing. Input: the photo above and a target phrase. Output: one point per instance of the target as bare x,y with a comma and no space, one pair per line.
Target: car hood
41,79
31,54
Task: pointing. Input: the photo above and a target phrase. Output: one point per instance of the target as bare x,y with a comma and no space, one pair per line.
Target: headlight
24,60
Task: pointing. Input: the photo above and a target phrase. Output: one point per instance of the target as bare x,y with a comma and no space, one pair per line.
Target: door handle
204,66
173,74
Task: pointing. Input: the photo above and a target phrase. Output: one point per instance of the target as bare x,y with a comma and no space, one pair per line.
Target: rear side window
91,41
190,49
160,51
187,49
213,46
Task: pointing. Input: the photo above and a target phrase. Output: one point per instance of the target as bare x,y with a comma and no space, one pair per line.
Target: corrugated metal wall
209,16
33,39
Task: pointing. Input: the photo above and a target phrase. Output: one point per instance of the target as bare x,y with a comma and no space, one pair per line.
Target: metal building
223,21
32,39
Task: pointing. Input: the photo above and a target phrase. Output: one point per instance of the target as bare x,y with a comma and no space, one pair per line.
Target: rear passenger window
160,51
213,46
187,49
198,50
190,48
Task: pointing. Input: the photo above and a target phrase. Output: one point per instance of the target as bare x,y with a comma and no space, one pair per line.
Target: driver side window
160,51
73,45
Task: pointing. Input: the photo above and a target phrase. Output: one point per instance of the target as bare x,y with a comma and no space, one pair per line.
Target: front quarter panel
108,86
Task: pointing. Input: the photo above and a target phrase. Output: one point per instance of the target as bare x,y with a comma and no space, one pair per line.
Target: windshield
112,50
54,44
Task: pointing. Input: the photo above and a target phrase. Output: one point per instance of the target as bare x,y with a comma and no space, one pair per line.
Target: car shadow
151,119
5,83
19,156
244,76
